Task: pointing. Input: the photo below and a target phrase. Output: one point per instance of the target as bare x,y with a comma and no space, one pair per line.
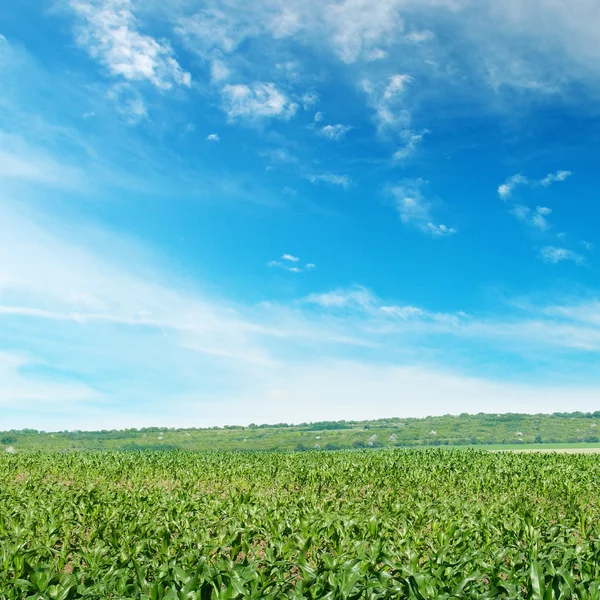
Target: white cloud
309,99
396,86
289,262
289,70
588,245
388,103
577,326
287,267
285,23
554,177
509,186
279,155
586,312
418,37
331,179
257,101
108,30
402,312
522,213
411,206
360,27
213,137
219,71
537,219
129,102
318,117
342,298
363,300
334,132
411,142
416,210
440,230
218,29
554,255
376,54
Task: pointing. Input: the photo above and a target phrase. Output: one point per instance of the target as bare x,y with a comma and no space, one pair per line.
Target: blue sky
219,212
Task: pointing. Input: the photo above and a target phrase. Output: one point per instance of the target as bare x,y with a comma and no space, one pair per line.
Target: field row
388,524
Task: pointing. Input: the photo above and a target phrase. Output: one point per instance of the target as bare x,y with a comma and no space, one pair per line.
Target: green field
505,431
418,524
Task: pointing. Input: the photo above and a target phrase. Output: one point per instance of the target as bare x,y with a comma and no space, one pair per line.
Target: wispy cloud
387,101
108,31
279,156
334,132
574,326
309,100
213,137
219,71
508,187
411,141
257,101
392,117
365,301
291,263
554,255
71,280
537,219
20,391
331,178
555,177
342,298
416,210
360,28
20,161
129,102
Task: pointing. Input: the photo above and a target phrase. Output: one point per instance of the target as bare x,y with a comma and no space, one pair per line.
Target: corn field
340,525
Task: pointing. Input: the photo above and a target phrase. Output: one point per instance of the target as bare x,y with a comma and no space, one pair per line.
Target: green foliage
472,430
341,525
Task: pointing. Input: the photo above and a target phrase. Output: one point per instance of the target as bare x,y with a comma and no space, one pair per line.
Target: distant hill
447,430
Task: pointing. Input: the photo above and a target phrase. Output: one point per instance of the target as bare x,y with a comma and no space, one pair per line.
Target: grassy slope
493,431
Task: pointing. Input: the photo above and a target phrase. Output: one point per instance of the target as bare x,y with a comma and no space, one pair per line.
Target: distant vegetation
460,430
